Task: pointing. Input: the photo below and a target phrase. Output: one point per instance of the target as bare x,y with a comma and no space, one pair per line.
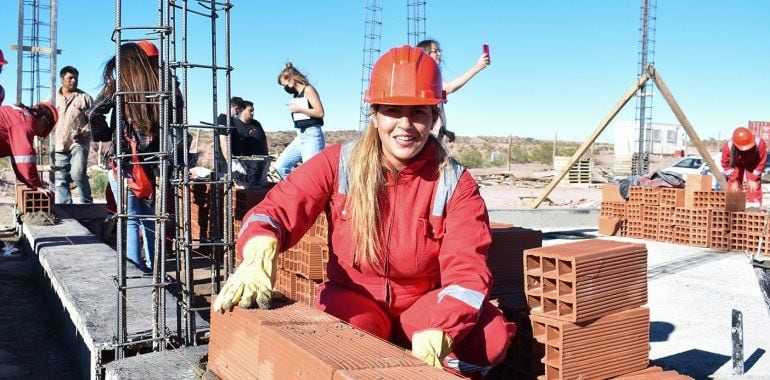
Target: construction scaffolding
172,219
415,21
644,97
36,74
371,51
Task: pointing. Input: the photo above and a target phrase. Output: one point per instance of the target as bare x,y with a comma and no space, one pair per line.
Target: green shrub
98,184
471,158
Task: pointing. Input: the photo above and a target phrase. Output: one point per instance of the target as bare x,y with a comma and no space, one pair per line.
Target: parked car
696,165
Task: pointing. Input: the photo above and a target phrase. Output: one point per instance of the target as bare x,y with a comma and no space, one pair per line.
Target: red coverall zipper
387,240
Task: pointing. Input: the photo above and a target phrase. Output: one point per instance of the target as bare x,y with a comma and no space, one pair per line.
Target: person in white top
433,49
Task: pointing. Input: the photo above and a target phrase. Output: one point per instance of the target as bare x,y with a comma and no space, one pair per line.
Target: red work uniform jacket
16,137
751,161
421,251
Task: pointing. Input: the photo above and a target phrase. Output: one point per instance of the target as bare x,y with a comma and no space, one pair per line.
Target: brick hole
539,331
551,373
565,268
565,288
549,286
549,305
534,283
566,309
549,266
533,262
552,356
533,302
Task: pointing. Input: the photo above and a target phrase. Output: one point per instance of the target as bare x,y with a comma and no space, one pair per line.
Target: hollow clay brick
671,197
653,373
505,261
235,336
611,193
395,373
635,195
318,351
651,196
585,280
609,226
610,346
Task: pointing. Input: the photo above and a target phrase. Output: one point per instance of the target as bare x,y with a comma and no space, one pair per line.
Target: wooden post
586,144
686,125
510,144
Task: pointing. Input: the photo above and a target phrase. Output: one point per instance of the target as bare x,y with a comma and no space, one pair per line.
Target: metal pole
642,92
188,282
20,52
51,139
122,320
228,186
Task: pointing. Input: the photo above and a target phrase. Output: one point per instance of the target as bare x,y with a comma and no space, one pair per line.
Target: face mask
290,90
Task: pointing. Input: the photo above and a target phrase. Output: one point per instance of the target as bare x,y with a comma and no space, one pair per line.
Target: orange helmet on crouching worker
2,58
743,139
148,48
405,76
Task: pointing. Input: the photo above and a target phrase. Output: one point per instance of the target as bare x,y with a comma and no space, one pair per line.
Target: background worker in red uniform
744,157
18,127
3,62
409,232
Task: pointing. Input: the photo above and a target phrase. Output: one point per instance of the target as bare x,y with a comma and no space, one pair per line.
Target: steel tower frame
371,51
646,57
415,21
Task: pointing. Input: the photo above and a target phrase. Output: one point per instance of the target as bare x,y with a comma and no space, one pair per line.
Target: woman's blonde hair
367,183
291,72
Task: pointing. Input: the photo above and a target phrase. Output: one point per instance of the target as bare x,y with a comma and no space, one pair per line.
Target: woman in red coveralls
19,125
409,232
744,157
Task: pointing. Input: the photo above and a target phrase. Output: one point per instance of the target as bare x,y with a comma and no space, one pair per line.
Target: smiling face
403,131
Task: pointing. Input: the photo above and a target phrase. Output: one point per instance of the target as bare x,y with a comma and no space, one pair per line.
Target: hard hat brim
746,146
405,101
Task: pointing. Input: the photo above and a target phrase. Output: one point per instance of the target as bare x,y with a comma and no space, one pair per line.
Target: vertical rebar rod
20,53
51,139
218,234
228,186
179,257
121,270
188,282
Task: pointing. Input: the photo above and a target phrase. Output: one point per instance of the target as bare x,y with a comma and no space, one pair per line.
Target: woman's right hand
253,280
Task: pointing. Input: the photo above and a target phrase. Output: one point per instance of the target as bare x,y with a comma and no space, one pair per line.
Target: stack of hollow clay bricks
29,200
505,262
295,341
302,267
585,302
695,216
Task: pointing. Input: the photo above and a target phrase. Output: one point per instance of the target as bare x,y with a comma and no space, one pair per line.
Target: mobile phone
485,50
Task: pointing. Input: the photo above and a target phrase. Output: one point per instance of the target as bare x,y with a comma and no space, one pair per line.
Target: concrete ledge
81,270
547,219
180,364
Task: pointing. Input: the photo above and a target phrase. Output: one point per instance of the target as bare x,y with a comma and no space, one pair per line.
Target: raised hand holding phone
485,50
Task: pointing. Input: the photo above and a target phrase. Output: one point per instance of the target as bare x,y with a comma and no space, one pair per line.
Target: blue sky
557,66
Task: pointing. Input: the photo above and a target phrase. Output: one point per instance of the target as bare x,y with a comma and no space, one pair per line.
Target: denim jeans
308,143
73,168
136,206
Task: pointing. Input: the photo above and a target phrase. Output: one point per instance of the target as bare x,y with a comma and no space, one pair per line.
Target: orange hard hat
2,58
149,48
743,139
405,76
51,108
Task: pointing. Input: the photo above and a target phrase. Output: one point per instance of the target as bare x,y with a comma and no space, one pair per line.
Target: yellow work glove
253,280
431,346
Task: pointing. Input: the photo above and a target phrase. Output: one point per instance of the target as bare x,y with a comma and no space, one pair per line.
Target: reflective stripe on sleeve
25,159
470,297
260,218
757,173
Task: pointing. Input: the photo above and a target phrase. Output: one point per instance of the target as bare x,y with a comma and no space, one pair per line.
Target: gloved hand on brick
253,280
431,346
